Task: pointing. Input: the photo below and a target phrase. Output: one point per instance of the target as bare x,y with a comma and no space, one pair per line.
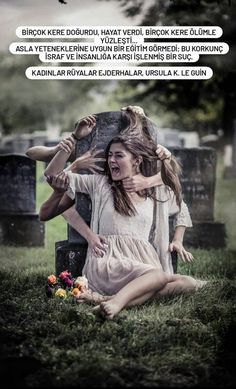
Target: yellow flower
60,293
52,279
75,292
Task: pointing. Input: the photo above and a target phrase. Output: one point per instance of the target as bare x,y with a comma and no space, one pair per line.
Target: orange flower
52,279
75,292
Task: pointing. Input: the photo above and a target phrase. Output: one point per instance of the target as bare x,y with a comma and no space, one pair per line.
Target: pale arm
56,204
140,182
57,164
97,243
41,153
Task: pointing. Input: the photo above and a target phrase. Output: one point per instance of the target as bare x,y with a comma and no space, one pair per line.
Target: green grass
184,341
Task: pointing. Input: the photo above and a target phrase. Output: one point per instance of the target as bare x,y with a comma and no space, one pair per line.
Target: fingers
135,109
95,169
171,247
90,120
103,239
162,152
98,252
98,151
100,247
186,256
128,183
61,181
67,145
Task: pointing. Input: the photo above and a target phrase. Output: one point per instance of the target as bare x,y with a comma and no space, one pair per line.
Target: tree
26,105
198,104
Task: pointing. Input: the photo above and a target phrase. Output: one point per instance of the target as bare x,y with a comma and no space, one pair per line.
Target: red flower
64,274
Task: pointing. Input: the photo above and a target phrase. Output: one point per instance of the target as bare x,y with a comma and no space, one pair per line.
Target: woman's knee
162,277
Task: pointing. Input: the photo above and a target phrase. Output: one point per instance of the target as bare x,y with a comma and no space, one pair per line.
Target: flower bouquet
65,285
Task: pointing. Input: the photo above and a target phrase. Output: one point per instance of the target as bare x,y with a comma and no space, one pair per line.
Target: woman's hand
67,145
135,183
136,109
162,152
97,244
84,127
176,245
87,161
59,183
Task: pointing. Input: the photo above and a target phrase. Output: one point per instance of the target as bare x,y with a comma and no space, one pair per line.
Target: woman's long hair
146,149
137,124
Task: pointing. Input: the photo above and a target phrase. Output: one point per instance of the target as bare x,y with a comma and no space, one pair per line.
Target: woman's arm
97,243
42,153
59,203
55,205
140,182
57,164
45,153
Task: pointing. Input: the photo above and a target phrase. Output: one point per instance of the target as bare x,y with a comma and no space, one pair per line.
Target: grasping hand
67,145
87,161
84,127
162,152
177,245
60,182
135,109
98,244
135,183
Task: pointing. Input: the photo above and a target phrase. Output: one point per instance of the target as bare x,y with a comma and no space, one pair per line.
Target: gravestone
198,189
230,157
198,185
19,223
71,254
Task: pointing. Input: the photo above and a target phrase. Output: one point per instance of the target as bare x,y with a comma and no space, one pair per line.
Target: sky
14,13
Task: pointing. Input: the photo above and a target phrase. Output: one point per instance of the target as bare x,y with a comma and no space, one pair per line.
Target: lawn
184,341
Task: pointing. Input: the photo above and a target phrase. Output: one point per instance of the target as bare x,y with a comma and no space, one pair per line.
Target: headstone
230,157
189,138
108,125
19,222
71,254
17,184
171,137
198,186
198,180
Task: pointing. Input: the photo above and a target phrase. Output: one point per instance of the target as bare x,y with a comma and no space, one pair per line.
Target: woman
130,271
135,123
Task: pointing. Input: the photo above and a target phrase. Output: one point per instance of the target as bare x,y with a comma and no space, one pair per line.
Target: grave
230,157
198,182
198,185
19,222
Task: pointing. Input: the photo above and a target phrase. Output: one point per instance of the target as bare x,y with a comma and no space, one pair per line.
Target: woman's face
121,162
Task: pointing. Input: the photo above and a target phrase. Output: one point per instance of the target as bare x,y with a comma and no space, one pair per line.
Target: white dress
130,253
